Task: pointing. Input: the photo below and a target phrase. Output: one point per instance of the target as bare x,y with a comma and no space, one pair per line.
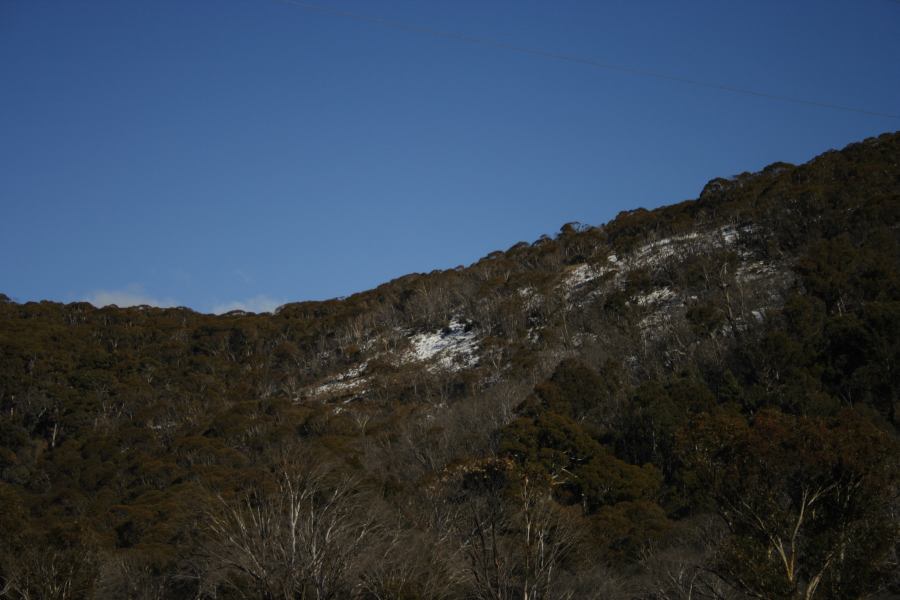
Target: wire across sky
590,62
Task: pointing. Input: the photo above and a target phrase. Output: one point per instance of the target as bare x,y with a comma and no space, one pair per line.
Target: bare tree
122,576
514,536
410,563
547,537
299,541
49,574
684,569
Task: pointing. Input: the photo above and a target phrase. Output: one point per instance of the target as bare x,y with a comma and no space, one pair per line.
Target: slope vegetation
699,401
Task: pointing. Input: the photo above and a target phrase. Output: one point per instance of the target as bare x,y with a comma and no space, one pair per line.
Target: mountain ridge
664,399
710,189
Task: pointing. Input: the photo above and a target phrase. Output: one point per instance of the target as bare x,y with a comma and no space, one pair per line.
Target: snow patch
654,297
581,275
753,271
346,381
530,297
452,348
663,248
729,235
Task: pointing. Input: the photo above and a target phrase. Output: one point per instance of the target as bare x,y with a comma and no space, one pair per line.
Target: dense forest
695,402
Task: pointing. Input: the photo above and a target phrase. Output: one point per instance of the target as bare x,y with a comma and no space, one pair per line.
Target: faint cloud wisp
135,295
132,295
256,304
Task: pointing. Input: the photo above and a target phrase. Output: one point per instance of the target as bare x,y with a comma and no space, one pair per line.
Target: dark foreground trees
810,503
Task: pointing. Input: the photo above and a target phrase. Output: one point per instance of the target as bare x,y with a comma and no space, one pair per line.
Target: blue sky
246,153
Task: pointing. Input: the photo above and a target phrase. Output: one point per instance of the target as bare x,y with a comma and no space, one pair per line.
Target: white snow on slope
753,271
530,297
652,253
581,275
729,235
453,348
664,248
667,247
654,297
346,381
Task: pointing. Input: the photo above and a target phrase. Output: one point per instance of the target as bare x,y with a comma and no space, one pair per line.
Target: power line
493,43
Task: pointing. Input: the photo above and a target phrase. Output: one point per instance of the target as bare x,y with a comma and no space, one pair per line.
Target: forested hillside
694,402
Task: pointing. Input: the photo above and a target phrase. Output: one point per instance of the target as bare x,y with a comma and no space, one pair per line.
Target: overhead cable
638,72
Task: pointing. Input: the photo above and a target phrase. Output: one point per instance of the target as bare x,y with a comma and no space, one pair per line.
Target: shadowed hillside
699,401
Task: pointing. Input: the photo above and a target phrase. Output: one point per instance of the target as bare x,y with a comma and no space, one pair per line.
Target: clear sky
244,153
